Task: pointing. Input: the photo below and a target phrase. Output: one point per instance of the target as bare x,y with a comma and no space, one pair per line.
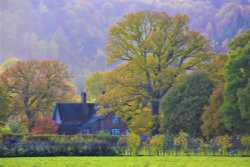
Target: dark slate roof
91,121
70,111
76,116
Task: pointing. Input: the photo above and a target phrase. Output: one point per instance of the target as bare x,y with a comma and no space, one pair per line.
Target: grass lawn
143,161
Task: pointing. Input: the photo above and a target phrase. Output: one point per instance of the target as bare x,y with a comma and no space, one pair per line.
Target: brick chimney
83,97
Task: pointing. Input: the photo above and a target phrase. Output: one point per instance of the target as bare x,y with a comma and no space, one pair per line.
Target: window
115,132
115,119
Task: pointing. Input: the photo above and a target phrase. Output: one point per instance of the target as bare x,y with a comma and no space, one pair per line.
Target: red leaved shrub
44,125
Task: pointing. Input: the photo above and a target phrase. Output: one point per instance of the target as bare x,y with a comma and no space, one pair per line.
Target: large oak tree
155,50
35,85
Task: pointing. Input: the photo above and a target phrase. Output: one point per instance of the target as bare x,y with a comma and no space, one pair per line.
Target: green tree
156,49
212,119
235,108
95,84
4,106
183,106
35,85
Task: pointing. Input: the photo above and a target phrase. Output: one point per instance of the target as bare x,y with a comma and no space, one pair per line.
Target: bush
204,147
59,149
17,128
39,138
157,143
245,141
79,138
181,140
44,125
223,142
104,136
133,142
60,138
5,131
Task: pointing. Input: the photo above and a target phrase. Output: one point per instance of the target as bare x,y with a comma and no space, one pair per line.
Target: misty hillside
74,31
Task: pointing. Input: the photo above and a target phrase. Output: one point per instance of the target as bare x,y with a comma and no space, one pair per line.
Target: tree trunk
30,117
155,112
155,107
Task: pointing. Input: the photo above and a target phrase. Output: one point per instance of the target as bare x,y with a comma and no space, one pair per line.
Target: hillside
75,31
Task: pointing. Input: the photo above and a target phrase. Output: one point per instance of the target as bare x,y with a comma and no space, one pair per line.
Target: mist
75,31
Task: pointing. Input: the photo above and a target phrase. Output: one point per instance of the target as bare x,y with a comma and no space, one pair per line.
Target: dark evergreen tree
182,107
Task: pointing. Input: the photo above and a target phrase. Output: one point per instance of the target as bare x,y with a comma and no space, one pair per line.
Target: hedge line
58,149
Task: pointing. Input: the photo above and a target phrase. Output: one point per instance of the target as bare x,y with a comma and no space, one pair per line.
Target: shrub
4,132
223,142
59,149
133,142
79,138
44,125
82,138
104,136
17,128
157,143
204,146
60,138
182,140
39,138
245,141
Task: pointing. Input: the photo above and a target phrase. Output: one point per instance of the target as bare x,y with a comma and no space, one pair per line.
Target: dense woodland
172,70
75,32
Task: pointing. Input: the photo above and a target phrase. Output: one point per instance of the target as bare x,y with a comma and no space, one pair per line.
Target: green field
144,161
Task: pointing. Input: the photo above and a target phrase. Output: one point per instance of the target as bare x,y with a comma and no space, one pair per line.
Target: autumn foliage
44,125
34,87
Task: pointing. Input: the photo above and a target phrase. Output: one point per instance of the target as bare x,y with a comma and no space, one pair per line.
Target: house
74,118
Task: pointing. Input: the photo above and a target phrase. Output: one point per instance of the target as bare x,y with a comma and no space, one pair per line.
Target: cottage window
115,132
115,119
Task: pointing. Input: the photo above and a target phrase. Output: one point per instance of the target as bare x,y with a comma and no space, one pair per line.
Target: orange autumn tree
44,125
34,86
